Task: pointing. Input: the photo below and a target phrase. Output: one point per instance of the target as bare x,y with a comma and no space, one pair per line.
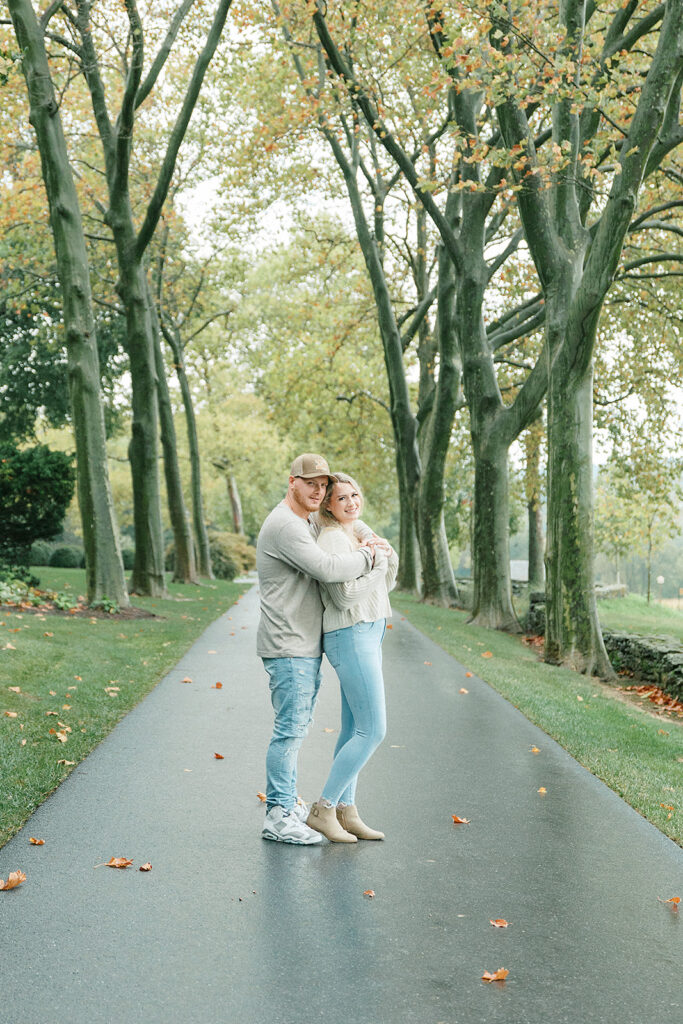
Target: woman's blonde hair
324,515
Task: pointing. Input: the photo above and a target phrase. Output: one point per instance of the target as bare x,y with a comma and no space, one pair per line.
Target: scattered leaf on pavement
262,797
14,879
542,790
463,690
673,900
369,892
219,757
499,975
499,922
460,821
535,750
217,686
36,842
427,662
469,675
327,729
116,862
145,867
186,680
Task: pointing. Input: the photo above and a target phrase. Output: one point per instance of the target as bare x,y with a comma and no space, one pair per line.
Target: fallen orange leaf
186,680
11,714
217,686
369,892
499,922
14,689
542,790
219,757
116,862
463,690
48,634
14,879
65,762
668,807
460,821
145,867
389,626
36,842
427,662
487,654
499,975
468,675
262,797
326,729
674,900
535,750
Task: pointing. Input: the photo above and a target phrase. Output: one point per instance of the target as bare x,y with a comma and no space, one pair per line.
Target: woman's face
345,503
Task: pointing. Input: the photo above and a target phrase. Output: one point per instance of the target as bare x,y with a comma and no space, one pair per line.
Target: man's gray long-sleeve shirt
290,564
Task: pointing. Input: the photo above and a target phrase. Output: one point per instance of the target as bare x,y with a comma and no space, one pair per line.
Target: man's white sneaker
286,827
301,809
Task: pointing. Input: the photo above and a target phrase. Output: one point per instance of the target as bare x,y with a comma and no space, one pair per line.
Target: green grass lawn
82,675
637,754
634,615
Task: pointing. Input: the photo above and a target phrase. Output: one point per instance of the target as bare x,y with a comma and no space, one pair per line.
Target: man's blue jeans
356,654
294,685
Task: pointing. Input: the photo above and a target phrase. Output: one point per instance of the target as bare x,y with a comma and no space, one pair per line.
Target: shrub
40,553
17,576
66,557
128,556
36,486
230,550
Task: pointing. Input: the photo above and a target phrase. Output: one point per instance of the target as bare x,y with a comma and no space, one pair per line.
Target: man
289,562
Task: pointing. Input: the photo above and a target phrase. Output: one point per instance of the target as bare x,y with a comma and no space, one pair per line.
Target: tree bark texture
185,570
573,634
492,598
201,537
104,565
143,451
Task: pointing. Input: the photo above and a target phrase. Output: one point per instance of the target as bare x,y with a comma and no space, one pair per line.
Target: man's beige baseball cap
309,465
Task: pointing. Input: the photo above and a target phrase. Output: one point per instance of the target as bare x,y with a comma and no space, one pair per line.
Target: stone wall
654,659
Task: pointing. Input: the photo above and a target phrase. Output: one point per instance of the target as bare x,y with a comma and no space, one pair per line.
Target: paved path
229,929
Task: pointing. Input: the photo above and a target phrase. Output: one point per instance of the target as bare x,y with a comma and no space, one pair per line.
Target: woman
354,622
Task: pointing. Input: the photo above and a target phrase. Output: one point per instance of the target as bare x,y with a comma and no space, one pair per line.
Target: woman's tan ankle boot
324,820
350,820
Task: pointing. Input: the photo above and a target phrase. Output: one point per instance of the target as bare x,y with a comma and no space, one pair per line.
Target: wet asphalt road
230,929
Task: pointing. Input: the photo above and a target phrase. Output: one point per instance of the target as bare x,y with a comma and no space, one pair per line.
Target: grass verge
637,754
80,676
634,615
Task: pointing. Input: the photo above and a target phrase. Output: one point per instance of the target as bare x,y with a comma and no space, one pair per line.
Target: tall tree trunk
148,567
185,570
438,579
532,486
201,535
573,634
235,503
536,544
492,598
104,565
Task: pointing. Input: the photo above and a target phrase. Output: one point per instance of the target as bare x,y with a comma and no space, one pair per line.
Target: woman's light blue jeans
294,685
356,654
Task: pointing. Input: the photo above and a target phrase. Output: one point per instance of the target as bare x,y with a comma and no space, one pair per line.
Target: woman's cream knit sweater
363,600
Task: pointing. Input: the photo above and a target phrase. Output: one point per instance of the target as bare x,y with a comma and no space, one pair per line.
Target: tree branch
364,394
418,316
177,135
164,50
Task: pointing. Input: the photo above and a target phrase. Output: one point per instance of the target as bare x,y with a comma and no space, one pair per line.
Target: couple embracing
324,579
